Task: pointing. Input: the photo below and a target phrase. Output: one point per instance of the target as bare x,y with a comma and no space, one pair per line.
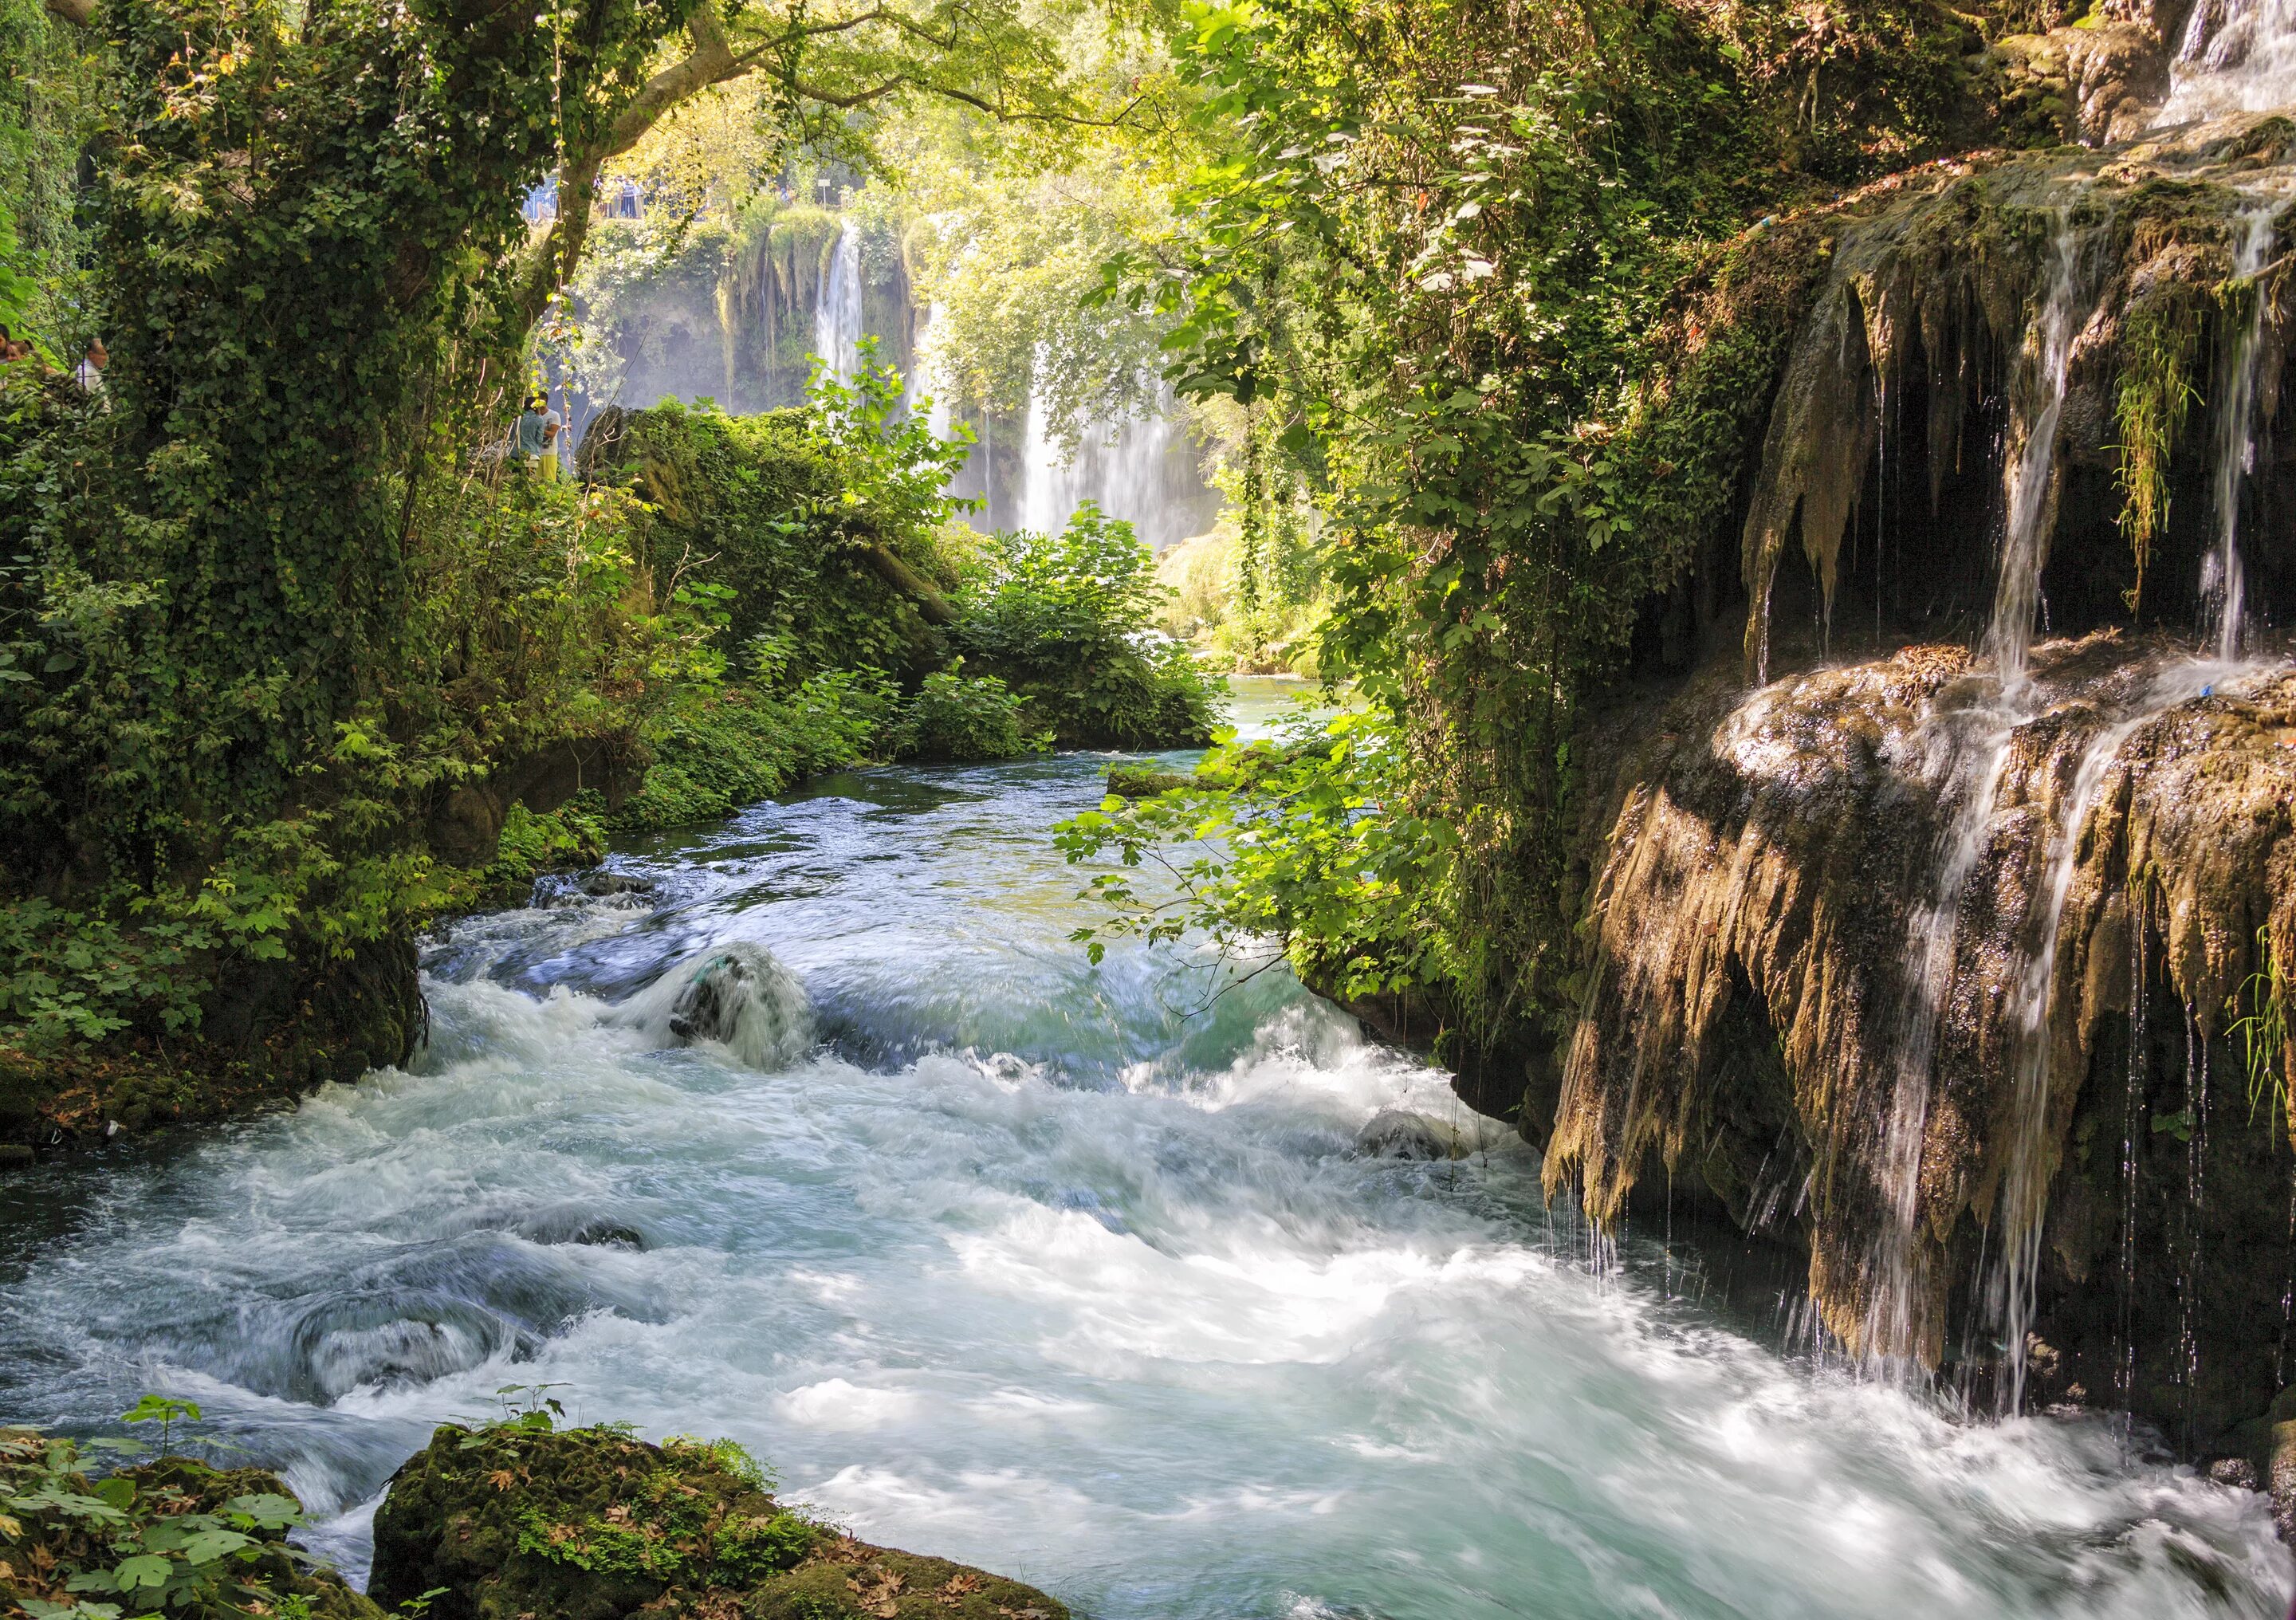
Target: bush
954,715
1065,620
175,1535
721,749
818,527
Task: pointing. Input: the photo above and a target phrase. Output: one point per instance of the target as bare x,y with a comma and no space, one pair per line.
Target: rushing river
1069,1272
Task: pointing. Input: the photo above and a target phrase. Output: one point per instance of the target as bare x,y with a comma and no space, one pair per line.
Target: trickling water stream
1055,1270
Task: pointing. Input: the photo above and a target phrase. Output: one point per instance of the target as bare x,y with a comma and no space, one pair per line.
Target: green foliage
2262,1031
165,1410
1295,841
716,751
2160,339
1065,621
171,1537
48,95
822,522
1469,272
76,976
958,717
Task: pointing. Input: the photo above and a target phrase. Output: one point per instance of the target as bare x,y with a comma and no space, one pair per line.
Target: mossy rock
46,1548
1134,782
513,1523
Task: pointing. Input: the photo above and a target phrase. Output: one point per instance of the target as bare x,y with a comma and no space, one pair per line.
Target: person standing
536,435
89,374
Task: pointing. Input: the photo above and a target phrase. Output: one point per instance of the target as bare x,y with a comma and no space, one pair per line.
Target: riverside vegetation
255,742
1792,493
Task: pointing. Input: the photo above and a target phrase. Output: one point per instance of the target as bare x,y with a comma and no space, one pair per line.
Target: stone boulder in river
517,1523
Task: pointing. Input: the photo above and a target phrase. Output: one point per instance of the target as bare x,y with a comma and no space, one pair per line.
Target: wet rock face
519,1523
1932,981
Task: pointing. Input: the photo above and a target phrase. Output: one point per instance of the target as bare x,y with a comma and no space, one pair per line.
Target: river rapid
1073,1274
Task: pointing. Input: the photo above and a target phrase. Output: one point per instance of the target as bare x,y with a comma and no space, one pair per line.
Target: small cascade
837,317
1901,1318
2223,583
2237,56
2030,1158
736,996
2037,404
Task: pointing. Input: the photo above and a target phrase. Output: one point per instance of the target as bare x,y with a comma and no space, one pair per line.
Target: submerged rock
1405,1133
517,1523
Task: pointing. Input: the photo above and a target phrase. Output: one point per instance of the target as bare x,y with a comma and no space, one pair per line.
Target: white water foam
1111,1304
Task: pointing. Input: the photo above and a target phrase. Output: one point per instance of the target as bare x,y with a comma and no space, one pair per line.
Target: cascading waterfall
1140,468
1976,744
837,317
2237,56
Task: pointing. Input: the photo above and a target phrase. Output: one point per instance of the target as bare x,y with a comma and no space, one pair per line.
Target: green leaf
143,1569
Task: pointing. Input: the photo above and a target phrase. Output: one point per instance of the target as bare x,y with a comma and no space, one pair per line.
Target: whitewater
1075,1274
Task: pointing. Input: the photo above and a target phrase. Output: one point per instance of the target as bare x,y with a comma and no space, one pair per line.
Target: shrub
954,715
1065,620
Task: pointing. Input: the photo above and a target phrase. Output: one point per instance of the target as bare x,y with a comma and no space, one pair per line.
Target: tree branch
79,13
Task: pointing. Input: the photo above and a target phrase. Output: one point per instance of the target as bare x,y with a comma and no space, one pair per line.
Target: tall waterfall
1141,468
837,317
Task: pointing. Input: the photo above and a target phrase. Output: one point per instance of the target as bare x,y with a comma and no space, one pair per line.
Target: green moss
2159,339
592,1524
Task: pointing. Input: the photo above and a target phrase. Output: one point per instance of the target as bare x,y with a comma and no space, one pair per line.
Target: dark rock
14,1156
2238,1472
513,1523
567,1226
465,823
1403,1134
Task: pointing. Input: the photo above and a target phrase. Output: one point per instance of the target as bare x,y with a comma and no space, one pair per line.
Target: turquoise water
1070,1272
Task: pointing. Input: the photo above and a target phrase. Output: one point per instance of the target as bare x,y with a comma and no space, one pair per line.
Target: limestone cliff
1938,910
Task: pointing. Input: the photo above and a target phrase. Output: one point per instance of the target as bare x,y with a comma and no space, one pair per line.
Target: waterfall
1974,746
2237,56
2222,584
2035,405
837,316
1140,468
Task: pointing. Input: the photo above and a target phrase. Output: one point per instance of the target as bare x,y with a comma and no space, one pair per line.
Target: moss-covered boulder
201,1543
525,1523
